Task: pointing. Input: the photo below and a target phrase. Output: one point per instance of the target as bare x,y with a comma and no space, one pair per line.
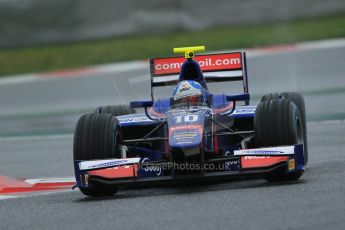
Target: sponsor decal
291,164
124,171
286,150
245,110
214,62
256,157
232,165
227,153
155,168
268,152
193,134
86,179
183,135
187,118
109,164
261,161
90,165
184,87
134,119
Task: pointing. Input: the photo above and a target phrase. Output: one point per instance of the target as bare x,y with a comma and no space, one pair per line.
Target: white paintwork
273,151
97,164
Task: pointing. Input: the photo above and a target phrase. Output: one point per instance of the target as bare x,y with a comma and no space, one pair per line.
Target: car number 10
186,118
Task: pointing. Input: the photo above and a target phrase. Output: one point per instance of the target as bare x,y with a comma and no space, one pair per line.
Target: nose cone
185,136
186,131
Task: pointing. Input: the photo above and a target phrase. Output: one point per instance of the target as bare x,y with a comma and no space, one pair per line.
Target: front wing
132,172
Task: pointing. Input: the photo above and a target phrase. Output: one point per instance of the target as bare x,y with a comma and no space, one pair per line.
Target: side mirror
141,104
239,97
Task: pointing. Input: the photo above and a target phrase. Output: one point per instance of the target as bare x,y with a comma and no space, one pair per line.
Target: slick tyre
96,137
115,110
279,122
298,99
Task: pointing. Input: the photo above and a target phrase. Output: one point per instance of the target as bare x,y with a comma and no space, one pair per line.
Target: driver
189,93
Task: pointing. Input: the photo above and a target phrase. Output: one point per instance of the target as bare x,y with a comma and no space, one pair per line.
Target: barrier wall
28,22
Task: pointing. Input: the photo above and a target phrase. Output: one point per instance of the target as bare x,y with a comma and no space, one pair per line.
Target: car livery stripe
98,164
286,150
117,172
261,161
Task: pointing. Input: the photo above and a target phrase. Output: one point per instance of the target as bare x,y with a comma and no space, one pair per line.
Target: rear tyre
298,99
96,137
279,122
115,110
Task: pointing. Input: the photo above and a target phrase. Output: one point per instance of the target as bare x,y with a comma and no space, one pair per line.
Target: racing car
192,134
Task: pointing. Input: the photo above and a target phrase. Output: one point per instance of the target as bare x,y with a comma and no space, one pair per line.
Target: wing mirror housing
140,104
238,97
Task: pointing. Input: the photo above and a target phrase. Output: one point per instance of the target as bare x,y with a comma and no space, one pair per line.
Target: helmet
189,93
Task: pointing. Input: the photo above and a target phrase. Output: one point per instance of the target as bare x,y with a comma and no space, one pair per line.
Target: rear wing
215,68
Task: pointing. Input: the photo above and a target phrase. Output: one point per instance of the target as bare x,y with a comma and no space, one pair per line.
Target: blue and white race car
194,134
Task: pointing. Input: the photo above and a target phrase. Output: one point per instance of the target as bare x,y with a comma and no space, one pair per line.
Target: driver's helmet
189,92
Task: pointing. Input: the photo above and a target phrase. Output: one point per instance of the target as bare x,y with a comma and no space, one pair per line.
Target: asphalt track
315,202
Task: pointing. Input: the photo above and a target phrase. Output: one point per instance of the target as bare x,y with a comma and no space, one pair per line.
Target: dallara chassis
193,134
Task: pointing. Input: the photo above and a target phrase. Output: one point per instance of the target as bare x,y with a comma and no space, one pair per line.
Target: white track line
90,71
50,180
323,44
7,80
37,137
6,197
34,194
327,122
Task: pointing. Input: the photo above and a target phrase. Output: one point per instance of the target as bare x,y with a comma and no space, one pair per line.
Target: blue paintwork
299,157
232,165
141,104
139,119
238,97
149,155
162,105
77,174
219,101
190,70
186,128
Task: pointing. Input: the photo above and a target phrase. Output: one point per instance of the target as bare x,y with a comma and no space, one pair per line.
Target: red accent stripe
223,109
185,127
67,73
215,141
277,48
116,172
261,161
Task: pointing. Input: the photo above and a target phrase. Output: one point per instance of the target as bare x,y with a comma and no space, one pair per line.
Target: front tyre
279,122
298,99
96,137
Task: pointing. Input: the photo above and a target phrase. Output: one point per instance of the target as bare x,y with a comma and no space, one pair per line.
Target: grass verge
73,55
